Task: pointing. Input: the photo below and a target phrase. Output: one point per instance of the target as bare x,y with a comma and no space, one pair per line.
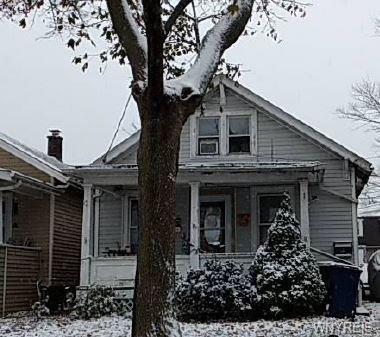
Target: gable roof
118,149
47,164
271,110
296,124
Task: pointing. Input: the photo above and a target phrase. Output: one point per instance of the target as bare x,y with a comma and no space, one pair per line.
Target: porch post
86,235
1,219
194,225
304,210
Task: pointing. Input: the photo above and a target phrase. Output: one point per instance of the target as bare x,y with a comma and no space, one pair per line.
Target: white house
239,153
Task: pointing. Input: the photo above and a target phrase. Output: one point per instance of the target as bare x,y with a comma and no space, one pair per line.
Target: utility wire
117,128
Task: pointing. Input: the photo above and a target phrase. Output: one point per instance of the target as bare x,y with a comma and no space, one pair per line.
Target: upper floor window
239,135
208,135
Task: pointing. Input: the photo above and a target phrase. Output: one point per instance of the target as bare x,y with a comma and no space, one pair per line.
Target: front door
213,227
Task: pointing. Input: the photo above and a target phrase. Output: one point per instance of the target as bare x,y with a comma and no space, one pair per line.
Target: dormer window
208,135
239,135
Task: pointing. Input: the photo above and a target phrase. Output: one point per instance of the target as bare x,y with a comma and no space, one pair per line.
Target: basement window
239,136
208,135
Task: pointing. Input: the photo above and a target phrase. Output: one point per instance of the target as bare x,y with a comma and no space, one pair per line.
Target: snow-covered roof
118,149
251,166
207,167
14,180
50,165
274,112
369,211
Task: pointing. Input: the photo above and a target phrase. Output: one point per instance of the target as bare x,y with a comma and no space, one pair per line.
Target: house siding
330,215
23,272
32,222
67,238
110,223
10,162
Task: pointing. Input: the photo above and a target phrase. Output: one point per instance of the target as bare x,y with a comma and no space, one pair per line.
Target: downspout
354,217
5,278
51,235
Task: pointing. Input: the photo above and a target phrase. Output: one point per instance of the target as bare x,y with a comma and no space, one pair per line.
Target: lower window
268,206
134,225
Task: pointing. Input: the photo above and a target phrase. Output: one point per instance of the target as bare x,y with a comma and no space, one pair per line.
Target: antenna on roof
104,160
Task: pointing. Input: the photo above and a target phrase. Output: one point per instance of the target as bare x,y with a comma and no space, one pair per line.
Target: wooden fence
19,273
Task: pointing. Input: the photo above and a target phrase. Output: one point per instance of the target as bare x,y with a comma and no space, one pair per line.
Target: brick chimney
55,144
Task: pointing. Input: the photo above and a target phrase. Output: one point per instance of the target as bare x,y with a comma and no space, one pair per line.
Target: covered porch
223,212
24,239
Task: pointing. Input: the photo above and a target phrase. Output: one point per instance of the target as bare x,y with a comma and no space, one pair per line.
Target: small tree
286,273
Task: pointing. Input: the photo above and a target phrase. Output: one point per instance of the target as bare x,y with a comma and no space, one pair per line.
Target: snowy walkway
374,308
120,327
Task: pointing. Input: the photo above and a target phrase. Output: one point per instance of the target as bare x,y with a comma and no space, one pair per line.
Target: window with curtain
212,227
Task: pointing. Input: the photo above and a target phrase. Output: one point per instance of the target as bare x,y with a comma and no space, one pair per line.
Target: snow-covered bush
284,271
218,290
40,309
98,301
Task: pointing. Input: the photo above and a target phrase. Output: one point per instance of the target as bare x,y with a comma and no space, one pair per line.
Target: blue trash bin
342,283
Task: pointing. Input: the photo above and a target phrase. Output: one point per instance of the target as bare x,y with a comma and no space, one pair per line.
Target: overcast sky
309,74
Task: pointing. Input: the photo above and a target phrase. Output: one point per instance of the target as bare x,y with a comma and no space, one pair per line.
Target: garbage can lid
334,264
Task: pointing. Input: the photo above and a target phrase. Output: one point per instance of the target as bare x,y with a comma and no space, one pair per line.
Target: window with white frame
268,206
133,225
208,135
239,135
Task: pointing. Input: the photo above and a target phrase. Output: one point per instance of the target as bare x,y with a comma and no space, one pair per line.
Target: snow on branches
197,32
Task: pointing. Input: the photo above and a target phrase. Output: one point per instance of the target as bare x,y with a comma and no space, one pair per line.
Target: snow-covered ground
119,326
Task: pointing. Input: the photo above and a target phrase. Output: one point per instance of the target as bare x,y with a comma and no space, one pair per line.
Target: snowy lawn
119,326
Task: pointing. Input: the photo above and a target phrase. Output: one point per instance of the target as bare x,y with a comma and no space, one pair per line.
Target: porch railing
19,272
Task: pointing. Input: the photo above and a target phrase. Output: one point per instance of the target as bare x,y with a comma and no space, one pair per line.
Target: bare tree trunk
158,164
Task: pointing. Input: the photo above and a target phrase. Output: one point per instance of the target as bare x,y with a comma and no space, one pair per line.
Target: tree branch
216,41
365,107
131,38
155,38
178,11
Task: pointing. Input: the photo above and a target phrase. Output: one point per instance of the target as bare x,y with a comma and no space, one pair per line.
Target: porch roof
13,180
199,167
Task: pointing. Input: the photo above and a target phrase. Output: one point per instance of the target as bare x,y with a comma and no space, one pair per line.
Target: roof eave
49,170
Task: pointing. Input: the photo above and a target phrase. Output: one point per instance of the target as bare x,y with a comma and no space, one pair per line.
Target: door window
212,227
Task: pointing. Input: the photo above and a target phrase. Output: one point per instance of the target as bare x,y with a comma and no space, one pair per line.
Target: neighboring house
369,230
40,222
238,154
